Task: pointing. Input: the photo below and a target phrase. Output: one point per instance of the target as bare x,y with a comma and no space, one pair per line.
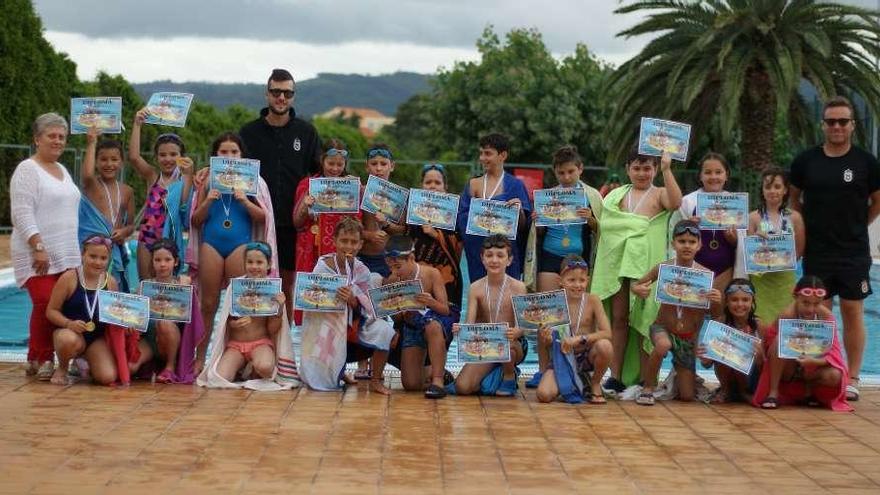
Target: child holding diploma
166,211
635,229
174,343
489,302
422,332
261,341
739,313
73,309
107,205
812,380
773,291
589,337
676,327
329,340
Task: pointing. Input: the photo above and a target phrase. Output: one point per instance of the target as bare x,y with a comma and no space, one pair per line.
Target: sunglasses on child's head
687,228
336,151
98,240
739,288
276,92
374,152
811,291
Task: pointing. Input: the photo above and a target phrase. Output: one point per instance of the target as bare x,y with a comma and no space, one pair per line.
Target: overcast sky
241,40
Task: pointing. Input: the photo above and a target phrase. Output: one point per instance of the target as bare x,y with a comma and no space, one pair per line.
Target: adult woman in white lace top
45,218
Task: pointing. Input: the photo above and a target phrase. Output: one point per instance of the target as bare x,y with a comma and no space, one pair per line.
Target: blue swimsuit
218,236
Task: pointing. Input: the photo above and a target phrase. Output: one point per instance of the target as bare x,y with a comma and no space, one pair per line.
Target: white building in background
371,120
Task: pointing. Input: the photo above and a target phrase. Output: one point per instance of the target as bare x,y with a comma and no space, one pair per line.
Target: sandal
448,377
434,392
614,385
770,403
47,369
852,392
507,388
598,399
362,375
165,376
645,399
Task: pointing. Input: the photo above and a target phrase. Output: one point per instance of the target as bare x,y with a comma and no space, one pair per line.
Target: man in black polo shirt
838,185
289,150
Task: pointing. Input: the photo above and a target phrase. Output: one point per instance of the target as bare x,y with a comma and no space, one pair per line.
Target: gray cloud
444,23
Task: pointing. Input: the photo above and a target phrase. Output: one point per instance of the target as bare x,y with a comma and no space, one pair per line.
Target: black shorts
848,278
285,239
549,262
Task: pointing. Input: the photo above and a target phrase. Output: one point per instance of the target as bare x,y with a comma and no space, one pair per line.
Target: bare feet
379,387
59,377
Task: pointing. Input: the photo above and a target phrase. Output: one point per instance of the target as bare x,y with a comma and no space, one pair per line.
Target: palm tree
737,65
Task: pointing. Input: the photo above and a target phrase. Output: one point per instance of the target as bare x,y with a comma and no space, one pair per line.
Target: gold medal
566,241
713,244
227,224
314,230
90,326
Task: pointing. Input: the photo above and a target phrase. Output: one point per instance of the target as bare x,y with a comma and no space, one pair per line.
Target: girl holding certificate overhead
773,290
222,224
166,211
814,378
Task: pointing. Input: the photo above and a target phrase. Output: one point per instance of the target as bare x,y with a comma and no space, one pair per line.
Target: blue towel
177,218
571,388
92,222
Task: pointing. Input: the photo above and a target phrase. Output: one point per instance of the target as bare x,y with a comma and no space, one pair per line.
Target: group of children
606,266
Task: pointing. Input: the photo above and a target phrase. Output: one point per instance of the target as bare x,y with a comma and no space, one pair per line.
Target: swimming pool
15,310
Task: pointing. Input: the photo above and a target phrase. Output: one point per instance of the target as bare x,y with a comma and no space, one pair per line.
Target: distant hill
384,93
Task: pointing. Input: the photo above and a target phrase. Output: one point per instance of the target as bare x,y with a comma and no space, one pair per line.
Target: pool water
15,310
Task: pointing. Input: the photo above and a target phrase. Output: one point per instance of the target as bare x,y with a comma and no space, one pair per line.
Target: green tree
519,88
740,63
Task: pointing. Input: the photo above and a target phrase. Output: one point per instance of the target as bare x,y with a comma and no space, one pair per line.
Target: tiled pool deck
181,439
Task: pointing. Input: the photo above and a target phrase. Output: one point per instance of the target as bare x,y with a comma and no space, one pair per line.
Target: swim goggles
496,241
739,288
811,291
374,152
98,240
336,151
434,166
395,253
574,264
683,228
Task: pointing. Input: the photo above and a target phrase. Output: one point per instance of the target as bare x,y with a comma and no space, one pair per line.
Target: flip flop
165,376
535,380
507,388
852,393
434,392
645,399
770,403
598,399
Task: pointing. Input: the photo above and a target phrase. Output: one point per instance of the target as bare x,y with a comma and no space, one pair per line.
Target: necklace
114,210
629,194
494,191
493,319
679,310
713,244
91,306
227,209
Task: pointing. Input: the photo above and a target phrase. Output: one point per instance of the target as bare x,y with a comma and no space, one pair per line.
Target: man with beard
289,150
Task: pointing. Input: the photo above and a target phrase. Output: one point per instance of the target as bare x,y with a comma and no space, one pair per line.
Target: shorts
845,277
413,334
683,349
246,348
549,262
285,242
152,338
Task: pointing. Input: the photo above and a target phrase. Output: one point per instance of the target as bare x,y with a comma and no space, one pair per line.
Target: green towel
629,246
773,293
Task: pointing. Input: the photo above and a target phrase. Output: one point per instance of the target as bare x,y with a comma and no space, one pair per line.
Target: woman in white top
45,217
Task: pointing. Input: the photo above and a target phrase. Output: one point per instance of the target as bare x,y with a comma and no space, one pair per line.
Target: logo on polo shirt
297,145
847,175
